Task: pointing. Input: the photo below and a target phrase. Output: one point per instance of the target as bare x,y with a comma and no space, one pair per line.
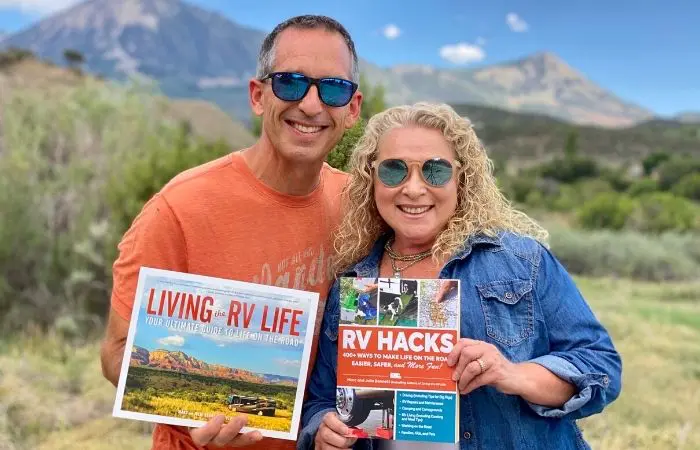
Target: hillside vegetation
523,138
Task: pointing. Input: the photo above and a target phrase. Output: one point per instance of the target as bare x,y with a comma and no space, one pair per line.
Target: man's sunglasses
394,172
292,87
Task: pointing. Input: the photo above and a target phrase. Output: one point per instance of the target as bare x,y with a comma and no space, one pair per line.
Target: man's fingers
228,432
245,439
204,434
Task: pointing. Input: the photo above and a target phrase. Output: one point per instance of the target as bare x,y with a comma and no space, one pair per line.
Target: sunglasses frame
310,82
409,167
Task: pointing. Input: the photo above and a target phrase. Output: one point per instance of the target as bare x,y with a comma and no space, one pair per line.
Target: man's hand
333,434
217,434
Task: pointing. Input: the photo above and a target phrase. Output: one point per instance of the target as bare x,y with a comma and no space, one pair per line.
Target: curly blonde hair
481,207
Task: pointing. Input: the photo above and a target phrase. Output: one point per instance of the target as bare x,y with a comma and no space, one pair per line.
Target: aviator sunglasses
393,172
292,87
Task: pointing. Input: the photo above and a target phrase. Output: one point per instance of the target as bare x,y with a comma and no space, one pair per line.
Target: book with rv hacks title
393,340
201,346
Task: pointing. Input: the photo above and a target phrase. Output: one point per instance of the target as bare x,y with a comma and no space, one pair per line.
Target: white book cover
201,346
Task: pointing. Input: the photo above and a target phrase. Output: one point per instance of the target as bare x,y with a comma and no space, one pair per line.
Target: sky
645,51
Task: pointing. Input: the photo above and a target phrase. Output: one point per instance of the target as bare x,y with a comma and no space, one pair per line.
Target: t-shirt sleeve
155,239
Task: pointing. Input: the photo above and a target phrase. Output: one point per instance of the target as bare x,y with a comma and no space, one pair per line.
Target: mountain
688,117
541,83
194,53
178,361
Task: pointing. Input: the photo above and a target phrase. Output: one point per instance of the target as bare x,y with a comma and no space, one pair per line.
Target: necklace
411,259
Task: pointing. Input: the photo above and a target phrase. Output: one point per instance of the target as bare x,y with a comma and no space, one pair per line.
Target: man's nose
311,104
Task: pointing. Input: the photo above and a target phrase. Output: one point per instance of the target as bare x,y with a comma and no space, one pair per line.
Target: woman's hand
479,363
333,434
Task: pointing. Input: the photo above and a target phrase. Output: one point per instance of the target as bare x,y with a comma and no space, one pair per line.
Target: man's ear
255,95
354,108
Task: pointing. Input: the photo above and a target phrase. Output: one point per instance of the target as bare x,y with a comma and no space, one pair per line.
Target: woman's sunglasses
394,172
292,87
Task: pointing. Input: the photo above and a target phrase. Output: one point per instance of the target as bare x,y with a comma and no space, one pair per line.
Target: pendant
397,274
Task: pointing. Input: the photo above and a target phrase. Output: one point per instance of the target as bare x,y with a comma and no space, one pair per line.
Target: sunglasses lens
336,91
437,171
392,172
289,87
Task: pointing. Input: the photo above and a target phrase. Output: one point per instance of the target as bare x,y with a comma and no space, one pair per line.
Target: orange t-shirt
219,220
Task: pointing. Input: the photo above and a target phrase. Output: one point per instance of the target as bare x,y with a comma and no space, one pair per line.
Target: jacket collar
369,265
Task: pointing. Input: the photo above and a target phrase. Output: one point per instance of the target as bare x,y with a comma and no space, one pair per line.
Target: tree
373,98
653,161
256,125
571,145
373,102
73,58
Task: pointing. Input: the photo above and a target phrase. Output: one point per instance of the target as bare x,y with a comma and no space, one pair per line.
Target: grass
53,394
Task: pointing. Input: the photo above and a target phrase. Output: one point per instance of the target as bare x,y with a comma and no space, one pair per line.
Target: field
53,394
189,396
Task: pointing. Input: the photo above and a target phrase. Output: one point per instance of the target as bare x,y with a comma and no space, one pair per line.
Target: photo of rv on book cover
393,340
202,346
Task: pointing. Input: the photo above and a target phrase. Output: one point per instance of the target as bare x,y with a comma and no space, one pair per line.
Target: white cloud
37,6
175,341
462,53
480,41
289,362
391,31
516,23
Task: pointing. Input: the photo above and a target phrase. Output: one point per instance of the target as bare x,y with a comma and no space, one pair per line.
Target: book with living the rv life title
393,340
201,346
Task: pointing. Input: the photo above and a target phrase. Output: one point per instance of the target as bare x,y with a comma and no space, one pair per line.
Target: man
264,214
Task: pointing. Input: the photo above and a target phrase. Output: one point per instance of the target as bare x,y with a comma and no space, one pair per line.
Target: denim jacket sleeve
322,384
581,350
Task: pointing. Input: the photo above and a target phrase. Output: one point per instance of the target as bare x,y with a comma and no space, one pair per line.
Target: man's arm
112,351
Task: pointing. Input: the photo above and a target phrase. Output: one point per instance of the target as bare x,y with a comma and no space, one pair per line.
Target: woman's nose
414,186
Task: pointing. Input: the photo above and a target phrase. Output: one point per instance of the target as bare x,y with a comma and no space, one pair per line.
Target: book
200,346
394,336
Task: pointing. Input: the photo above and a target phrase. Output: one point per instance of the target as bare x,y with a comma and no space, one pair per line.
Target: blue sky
646,51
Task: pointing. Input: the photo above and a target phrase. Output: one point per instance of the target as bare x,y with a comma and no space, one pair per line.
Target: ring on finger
482,364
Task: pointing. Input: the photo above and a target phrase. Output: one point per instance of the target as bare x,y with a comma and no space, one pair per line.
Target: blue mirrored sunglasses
292,87
435,171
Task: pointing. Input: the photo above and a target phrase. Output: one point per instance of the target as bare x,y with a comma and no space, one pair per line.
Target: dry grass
52,395
656,328
207,119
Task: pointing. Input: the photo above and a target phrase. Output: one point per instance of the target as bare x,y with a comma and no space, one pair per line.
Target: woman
423,203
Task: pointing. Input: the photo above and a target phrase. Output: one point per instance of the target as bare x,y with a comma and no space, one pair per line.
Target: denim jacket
516,295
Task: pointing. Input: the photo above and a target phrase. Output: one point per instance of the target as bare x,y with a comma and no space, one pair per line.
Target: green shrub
572,196
74,170
627,254
673,170
643,186
608,210
662,211
339,157
571,169
688,186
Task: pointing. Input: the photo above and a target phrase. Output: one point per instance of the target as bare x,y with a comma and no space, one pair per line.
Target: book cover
393,340
200,346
